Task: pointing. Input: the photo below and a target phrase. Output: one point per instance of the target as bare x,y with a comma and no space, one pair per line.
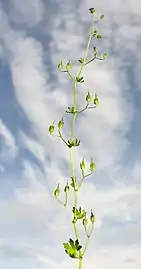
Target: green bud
68,66
95,50
51,129
88,97
92,166
82,165
104,56
85,222
60,65
96,100
66,190
61,123
57,191
92,10
102,17
92,217
99,36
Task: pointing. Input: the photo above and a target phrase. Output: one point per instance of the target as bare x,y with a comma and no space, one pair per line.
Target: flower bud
66,190
92,217
51,129
82,165
85,222
102,17
88,97
61,123
92,166
96,100
60,65
104,56
95,50
57,191
68,66
99,36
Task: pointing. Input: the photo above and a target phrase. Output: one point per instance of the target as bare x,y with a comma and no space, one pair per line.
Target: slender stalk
73,248
72,132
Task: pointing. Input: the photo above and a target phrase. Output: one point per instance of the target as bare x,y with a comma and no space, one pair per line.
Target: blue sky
34,36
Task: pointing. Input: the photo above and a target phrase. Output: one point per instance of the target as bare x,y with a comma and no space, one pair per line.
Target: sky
34,36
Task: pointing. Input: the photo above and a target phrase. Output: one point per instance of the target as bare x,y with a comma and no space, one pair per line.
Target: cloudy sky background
34,36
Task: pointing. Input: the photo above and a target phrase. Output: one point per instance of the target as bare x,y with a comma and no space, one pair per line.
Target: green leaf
73,182
80,79
72,243
77,245
70,249
81,60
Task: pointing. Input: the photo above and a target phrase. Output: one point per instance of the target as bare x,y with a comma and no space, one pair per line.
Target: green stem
88,238
72,133
80,264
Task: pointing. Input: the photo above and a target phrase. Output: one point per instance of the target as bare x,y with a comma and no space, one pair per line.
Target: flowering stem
72,133
74,248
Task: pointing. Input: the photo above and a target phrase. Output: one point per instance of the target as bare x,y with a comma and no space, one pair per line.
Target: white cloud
29,12
33,146
9,147
103,133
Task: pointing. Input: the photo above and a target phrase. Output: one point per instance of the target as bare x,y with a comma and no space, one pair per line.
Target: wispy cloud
32,215
9,149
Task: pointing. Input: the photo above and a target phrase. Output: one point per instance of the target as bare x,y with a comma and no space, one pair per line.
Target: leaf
70,249
80,79
72,243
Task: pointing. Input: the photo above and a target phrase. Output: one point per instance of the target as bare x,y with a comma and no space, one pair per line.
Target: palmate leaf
72,243
72,248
